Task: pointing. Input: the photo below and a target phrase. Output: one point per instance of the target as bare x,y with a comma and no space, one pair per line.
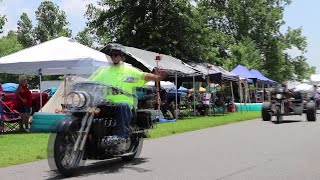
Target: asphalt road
248,150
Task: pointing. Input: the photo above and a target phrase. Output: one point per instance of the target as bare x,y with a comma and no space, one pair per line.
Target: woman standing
24,101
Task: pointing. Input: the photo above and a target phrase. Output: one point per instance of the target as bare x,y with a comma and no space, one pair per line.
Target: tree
2,21
259,21
9,44
89,38
171,27
25,31
52,22
246,52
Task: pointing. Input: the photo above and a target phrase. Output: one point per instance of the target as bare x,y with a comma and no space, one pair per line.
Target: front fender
64,125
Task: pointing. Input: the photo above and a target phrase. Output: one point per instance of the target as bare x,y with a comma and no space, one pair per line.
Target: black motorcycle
280,95
91,117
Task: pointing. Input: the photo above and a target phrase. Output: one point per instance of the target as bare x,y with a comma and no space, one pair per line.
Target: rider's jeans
124,117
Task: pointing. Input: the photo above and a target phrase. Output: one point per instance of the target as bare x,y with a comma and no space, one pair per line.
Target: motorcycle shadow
103,167
287,121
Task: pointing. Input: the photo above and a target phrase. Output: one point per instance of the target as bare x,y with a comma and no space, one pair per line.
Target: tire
311,111
278,115
61,147
266,115
136,149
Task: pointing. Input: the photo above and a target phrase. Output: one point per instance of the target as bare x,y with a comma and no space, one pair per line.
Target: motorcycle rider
128,78
288,94
316,95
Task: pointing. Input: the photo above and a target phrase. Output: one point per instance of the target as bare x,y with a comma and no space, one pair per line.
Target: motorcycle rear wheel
66,160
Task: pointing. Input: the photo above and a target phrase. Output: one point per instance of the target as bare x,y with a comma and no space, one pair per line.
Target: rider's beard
116,63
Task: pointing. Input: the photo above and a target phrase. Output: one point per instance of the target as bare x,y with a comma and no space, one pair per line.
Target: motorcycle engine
104,121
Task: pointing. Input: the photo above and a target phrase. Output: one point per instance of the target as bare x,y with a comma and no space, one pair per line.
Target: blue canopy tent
262,77
244,72
9,87
251,78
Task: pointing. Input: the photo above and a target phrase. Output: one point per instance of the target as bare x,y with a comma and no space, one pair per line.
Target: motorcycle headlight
77,99
279,96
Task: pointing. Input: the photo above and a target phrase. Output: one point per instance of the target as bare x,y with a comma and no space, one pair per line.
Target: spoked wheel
67,160
279,115
136,148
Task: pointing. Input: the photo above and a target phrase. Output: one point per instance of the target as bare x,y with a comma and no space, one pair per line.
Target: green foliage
255,28
176,28
89,38
246,52
52,22
2,21
9,44
25,31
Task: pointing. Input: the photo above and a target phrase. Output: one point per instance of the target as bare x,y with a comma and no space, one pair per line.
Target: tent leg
40,79
232,95
194,96
65,90
176,111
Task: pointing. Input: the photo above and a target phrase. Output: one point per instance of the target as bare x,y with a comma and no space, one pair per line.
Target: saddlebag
144,119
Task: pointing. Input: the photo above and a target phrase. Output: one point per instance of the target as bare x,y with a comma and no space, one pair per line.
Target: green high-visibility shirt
125,77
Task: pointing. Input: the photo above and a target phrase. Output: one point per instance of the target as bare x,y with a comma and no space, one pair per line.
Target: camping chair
185,107
219,106
10,120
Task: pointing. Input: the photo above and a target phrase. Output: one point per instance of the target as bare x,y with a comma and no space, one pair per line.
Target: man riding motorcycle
127,78
316,95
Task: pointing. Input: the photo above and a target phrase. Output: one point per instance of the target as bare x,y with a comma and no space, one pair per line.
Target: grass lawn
22,148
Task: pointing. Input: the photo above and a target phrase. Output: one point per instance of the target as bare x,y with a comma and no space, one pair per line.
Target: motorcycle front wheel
279,115
66,159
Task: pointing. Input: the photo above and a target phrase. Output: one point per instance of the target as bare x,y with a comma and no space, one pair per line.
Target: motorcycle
285,103
90,118
279,103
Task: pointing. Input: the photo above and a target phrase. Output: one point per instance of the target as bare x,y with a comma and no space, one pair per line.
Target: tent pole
158,90
194,96
240,94
232,95
268,94
262,92
65,90
40,74
176,111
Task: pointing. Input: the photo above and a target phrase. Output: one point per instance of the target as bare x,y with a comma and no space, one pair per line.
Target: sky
301,13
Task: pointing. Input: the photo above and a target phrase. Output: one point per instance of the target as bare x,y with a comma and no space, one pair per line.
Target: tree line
221,32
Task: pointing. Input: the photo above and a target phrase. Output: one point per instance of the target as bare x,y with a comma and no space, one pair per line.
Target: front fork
83,131
282,106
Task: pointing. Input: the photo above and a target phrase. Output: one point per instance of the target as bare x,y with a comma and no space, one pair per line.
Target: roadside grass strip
26,147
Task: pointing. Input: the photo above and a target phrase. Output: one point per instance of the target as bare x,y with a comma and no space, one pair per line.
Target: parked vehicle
284,103
35,100
91,117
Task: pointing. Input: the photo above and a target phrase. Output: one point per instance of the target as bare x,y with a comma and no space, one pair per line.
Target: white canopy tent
167,85
59,56
303,87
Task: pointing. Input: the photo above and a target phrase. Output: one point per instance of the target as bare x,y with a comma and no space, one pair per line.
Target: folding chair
10,120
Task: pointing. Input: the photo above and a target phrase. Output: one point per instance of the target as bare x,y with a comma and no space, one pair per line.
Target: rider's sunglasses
115,54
